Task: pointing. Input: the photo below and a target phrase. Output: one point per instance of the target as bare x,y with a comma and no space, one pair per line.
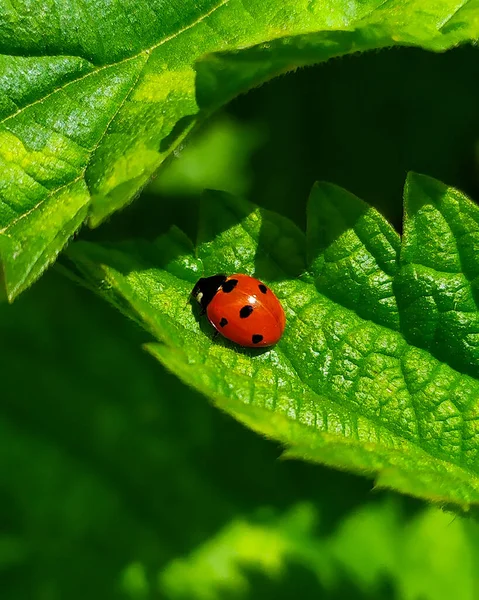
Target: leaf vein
96,70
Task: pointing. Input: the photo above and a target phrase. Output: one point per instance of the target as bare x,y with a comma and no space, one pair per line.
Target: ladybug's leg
215,335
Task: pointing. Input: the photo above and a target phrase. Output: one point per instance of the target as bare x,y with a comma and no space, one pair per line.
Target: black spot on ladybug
223,322
257,338
229,286
262,288
246,311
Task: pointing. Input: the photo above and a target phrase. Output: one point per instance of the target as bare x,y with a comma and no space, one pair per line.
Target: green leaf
94,98
431,556
439,278
102,451
217,159
344,386
353,254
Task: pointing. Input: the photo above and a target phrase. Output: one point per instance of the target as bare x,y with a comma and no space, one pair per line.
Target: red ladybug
241,308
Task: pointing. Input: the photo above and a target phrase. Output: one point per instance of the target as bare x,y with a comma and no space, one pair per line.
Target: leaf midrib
96,70
452,15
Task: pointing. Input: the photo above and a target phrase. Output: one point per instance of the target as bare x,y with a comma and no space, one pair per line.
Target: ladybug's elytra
241,308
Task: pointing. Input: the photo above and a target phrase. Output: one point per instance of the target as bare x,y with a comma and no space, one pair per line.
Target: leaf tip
210,196
326,192
422,189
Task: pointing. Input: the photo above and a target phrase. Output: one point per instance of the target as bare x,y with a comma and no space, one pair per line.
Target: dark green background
108,461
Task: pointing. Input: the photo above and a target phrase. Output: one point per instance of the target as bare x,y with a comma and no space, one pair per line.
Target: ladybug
241,308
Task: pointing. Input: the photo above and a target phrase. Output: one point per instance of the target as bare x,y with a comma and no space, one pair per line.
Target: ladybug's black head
206,288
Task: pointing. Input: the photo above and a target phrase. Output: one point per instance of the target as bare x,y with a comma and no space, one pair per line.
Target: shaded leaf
439,278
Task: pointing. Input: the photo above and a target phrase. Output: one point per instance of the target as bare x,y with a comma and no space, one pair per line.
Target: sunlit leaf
93,97
345,386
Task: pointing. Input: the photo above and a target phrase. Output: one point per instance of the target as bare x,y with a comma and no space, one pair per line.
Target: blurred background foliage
118,482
